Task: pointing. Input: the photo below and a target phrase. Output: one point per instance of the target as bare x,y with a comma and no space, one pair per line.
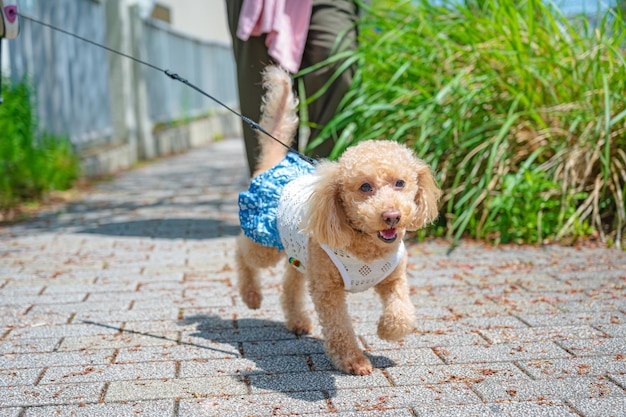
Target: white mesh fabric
359,276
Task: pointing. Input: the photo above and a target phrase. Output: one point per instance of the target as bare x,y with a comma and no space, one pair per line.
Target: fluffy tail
279,116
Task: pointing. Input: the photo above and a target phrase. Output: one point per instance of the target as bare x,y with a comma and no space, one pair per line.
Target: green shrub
520,111
31,163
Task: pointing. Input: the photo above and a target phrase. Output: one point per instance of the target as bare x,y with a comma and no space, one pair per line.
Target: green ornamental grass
520,111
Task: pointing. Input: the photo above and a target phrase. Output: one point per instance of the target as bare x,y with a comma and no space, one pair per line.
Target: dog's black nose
391,217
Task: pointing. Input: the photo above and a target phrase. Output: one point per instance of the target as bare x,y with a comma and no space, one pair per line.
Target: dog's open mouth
388,235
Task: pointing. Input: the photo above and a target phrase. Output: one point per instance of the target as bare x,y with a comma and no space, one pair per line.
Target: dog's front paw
252,299
397,321
302,325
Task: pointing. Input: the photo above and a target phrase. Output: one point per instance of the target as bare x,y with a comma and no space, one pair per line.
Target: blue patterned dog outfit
259,204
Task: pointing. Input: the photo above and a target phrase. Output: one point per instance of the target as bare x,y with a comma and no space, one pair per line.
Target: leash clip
9,23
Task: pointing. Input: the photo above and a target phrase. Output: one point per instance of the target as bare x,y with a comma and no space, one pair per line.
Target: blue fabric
258,205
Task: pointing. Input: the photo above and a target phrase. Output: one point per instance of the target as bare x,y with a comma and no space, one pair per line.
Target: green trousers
333,28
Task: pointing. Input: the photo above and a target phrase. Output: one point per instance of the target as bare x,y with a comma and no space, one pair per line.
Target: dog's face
377,188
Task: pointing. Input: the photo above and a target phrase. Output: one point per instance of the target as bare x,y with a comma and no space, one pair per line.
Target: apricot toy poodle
339,224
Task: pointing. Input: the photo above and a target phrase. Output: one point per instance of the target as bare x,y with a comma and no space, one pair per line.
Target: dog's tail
279,116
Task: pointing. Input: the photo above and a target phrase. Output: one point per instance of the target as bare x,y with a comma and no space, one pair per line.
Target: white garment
357,275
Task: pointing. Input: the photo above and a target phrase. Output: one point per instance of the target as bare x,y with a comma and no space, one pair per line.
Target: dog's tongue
388,233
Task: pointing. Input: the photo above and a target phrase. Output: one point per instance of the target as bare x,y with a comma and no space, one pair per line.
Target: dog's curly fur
375,187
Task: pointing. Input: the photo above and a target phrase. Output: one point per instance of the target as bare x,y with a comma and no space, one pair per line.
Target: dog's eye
366,188
400,184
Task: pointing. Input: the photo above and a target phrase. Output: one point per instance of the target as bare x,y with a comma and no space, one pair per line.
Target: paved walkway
124,304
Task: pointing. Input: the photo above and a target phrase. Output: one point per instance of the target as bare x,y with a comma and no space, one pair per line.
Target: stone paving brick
512,409
618,377
538,334
384,359
57,288
44,359
50,283
613,346
481,308
125,296
10,412
211,295
199,323
17,346
422,340
152,314
613,407
16,377
114,274
283,347
118,340
57,331
243,366
392,412
315,381
149,284
47,309
590,305
6,299
441,374
50,394
108,372
156,389
155,299
574,318
159,408
175,352
551,408
573,367
497,322
50,318
9,294
250,334
469,410
375,399
504,352
548,389
308,402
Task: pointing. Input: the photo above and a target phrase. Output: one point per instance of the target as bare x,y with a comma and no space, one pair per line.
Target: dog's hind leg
292,300
250,257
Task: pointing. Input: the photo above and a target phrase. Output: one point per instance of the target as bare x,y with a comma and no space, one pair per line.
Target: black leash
253,125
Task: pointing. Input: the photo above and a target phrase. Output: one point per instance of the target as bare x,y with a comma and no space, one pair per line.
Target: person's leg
333,28
250,58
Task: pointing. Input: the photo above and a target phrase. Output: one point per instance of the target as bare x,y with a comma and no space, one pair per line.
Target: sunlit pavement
125,303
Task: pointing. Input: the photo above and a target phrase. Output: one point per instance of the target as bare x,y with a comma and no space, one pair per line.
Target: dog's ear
326,219
426,198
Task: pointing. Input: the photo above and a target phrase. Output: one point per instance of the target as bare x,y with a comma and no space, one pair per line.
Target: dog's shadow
272,359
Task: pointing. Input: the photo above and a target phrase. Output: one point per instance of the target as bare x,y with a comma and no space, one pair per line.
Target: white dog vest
357,275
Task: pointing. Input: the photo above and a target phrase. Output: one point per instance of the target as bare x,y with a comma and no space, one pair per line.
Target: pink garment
286,23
